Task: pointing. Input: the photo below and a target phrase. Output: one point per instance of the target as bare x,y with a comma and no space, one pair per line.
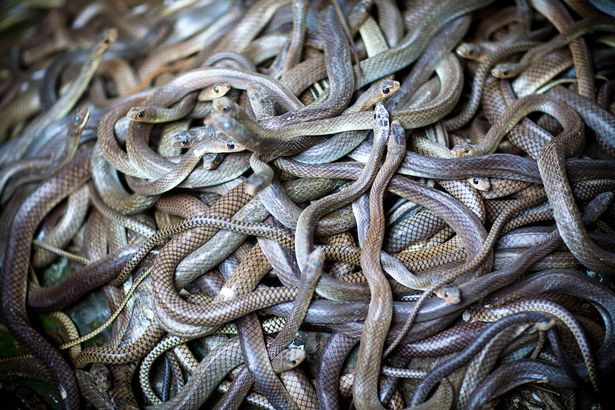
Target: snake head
220,143
225,105
214,91
105,41
480,183
212,160
183,140
288,359
227,144
388,87
139,114
470,51
188,138
80,120
504,71
463,150
230,126
449,293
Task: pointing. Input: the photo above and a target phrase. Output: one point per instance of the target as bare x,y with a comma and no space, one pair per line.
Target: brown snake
380,312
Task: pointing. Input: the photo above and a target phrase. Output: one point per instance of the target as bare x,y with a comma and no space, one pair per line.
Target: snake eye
466,150
141,114
475,181
216,89
386,90
505,71
77,119
186,141
230,145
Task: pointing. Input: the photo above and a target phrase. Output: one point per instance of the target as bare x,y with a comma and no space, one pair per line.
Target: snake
379,313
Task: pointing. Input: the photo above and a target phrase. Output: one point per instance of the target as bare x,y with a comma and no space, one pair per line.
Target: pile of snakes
328,204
